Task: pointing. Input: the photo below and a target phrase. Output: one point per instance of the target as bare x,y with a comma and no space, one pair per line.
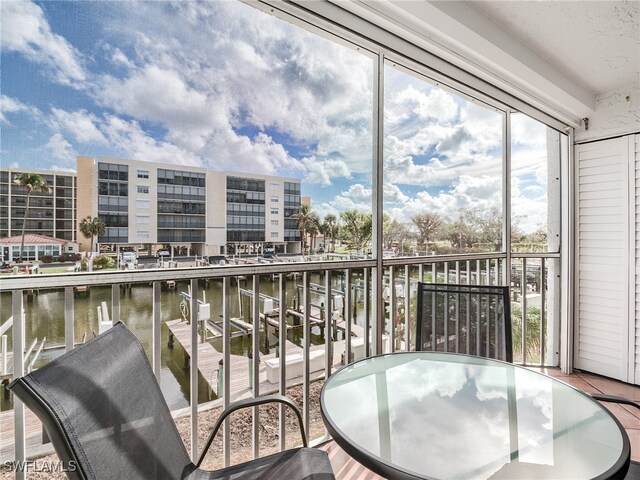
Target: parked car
163,253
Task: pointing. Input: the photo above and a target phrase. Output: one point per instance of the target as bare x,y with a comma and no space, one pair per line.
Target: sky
227,87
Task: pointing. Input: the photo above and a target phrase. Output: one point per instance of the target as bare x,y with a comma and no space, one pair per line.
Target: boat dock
209,359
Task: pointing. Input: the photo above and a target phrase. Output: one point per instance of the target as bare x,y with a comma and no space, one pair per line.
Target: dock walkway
208,358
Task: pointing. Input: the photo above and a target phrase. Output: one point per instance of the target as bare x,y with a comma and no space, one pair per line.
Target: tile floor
346,468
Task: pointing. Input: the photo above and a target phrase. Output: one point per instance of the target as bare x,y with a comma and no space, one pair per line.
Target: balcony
243,299
420,100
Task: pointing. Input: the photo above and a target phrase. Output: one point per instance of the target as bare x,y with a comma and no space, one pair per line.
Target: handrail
44,280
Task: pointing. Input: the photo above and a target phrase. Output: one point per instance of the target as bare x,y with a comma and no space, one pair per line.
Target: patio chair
469,319
107,418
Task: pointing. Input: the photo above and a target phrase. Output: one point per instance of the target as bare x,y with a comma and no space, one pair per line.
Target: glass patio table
428,415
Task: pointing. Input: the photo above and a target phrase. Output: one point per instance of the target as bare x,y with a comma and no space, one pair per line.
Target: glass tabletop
449,416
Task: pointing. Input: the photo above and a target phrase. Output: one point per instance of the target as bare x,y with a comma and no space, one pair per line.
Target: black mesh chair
470,319
107,418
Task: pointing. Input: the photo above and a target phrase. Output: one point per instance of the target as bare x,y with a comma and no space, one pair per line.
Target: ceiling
558,56
595,43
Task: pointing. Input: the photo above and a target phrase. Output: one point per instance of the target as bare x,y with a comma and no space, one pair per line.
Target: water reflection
45,318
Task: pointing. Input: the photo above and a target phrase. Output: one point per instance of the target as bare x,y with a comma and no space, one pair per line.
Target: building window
274,199
143,189
143,204
143,173
274,223
274,211
274,234
143,233
142,220
275,187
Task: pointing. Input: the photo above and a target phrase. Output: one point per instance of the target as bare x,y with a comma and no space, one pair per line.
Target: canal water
44,314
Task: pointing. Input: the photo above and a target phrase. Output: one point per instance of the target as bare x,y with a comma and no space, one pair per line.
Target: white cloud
25,30
118,57
82,125
12,105
161,96
256,72
138,145
482,192
60,149
322,171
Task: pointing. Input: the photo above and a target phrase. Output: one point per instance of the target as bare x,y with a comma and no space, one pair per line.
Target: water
45,318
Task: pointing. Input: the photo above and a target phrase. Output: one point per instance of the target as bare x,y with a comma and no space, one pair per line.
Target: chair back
469,319
104,412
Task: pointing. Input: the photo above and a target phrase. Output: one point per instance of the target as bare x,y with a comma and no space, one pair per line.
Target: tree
313,228
394,232
356,228
91,228
486,226
330,229
32,182
306,220
428,224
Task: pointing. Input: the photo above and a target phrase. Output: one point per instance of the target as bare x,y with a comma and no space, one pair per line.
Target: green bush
103,261
46,259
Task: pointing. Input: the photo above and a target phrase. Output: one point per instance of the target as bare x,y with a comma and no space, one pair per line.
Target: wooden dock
208,358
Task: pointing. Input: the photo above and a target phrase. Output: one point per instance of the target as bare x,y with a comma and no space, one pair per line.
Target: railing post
193,374
367,315
328,327
155,332
18,371
5,367
543,311
69,340
306,345
392,308
282,295
523,300
347,317
255,341
115,303
226,356
407,306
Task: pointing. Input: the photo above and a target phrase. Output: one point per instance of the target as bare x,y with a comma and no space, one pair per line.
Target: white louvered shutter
605,264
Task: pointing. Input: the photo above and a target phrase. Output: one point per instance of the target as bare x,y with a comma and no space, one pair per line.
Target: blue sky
222,85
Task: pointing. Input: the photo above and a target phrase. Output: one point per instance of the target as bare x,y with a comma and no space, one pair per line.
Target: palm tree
306,221
91,228
30,181
330,229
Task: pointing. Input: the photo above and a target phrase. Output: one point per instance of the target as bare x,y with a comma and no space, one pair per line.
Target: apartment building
51,214
204,212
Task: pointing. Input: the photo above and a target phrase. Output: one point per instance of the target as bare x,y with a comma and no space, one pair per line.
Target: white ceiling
558,56
595,43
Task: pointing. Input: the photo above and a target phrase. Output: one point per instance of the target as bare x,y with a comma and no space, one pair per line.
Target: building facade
50,214
193,209
36,248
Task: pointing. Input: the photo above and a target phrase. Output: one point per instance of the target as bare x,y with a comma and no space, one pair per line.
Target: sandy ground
240,431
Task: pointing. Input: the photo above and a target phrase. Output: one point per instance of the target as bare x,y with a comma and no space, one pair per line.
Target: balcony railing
332,312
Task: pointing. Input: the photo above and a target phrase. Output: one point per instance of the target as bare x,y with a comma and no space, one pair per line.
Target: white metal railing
397,328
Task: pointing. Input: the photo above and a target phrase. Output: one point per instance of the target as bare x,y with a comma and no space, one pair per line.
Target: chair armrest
252,402
601,397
